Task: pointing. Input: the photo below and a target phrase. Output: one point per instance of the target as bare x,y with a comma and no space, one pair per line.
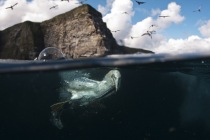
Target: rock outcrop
80,32
22,41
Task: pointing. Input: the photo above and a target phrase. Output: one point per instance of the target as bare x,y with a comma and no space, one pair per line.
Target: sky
186,30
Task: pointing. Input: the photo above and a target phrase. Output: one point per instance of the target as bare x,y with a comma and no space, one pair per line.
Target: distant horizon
185,30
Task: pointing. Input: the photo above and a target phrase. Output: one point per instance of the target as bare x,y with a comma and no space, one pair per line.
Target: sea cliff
78,33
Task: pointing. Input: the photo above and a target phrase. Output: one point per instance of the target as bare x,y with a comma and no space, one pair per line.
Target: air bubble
51,53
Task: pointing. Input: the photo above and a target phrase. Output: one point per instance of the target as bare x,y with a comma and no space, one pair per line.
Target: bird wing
53,6
139,2
163,16
15,4
83,83
83,88
144,34
147,34
150,35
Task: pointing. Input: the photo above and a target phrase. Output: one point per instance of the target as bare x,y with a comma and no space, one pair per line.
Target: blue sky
190,24
184,31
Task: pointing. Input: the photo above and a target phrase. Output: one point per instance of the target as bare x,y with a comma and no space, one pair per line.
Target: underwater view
148,101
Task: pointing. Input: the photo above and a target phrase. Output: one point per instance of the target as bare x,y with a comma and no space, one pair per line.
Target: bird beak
117,83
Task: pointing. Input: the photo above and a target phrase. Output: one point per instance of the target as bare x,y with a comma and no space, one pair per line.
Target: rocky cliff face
78,33
22,41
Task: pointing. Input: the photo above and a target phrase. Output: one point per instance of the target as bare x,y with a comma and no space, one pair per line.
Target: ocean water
160,98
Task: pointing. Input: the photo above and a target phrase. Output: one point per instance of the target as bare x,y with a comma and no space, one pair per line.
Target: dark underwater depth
167,101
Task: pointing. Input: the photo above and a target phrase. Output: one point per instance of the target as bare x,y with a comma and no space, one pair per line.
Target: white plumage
87,88
83,91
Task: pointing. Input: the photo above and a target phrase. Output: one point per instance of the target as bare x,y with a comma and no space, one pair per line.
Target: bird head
115,77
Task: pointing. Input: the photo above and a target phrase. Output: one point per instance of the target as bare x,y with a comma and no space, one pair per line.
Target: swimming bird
83,91
53,7
163,16
11,7
140,2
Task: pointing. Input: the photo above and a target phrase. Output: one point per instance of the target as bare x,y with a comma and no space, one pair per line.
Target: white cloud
117,20
105,9
205,29
36,10
161,23
142,41
158,43
155,12
173,11
192,44
102,9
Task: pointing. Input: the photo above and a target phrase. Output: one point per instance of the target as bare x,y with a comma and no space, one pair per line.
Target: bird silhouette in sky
149,33
152,32
140,2
163,16
81,2
11,7
116,31
132,37
53,7
65,0
151,26
198,10
125,13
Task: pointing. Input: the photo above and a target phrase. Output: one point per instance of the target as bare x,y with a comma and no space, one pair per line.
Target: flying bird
125,13
152,32
81,2
151,26
198,10
140,2
116,31
133,37
53,7
149,33
65,0
11,7
163,16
